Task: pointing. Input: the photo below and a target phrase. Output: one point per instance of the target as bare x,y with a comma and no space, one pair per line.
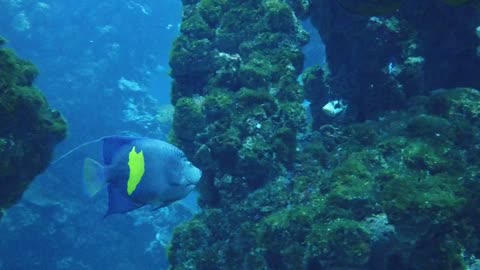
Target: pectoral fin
119,203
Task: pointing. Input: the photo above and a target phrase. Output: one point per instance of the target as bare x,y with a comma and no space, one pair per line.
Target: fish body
140,171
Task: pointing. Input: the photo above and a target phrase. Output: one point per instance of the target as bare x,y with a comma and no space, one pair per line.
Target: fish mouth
192,181
190,187
191,184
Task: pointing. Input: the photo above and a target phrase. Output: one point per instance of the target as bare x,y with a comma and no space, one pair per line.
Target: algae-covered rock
393,194
389,193
412,58
340,238
30,128
235,89
459,102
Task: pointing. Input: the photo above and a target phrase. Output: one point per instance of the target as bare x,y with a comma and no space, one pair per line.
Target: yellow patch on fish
136,163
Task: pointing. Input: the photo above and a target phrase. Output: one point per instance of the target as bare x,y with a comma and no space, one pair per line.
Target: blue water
104,65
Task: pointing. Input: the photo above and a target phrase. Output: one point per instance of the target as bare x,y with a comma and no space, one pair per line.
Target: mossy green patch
30,128
285,144
397,167
256,73
14,71
276,195
279,16
426,126
418,200
257,156
282,235
248,98
450,103
212,10
365,133
225,149
341,237
352,188
421,156
194,26
218,105
188,112
293,115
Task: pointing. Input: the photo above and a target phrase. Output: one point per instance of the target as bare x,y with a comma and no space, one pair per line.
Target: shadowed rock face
236,95
370,7
383,7
378,63
29,127
400,192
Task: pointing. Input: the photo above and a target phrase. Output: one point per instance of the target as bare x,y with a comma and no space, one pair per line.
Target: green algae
352,188
460,102
343,238
248,98
187,113
14,71
30,128
282,233
279,16
245,75
276,195
218,105
212,10
405,171
196,27
411,199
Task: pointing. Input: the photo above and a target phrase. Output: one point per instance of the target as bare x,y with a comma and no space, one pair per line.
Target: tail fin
93,176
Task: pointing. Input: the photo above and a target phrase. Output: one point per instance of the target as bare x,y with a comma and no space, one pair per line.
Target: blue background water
83,49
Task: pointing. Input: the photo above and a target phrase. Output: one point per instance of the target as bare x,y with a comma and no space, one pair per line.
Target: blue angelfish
140,171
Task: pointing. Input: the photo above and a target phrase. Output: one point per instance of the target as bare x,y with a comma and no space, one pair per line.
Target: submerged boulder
29,130
397,193
370,7
377,63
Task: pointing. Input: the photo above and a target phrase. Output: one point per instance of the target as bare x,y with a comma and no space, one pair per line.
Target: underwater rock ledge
29,130
397,192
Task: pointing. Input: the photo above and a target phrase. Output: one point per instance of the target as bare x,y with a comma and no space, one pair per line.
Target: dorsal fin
75,149
112,144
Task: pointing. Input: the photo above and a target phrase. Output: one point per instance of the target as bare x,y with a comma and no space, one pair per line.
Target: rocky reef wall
401,49
236,95
398,191
29,127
